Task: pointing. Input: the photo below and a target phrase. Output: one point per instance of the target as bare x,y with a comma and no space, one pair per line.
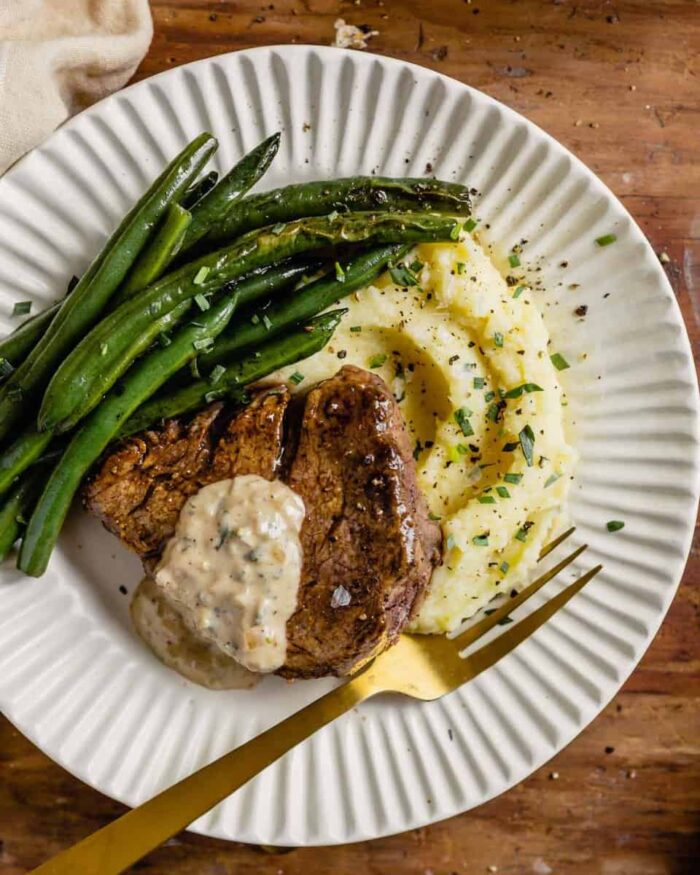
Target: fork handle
124,841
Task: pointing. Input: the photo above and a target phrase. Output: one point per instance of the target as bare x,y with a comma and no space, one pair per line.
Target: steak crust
140,489
369,548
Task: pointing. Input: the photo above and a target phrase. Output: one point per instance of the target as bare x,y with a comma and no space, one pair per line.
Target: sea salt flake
340,597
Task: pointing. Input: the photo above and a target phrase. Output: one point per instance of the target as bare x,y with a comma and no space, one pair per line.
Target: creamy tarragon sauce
232,569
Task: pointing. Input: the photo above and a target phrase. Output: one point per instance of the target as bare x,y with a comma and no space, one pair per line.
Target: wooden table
619,84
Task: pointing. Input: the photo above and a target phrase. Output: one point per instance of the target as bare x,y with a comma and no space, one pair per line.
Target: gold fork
422,667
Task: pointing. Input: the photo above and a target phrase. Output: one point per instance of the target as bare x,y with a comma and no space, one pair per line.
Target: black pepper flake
123,590
582,310
342,353
609,749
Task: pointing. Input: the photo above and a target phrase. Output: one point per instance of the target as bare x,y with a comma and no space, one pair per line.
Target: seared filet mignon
369,548
368,545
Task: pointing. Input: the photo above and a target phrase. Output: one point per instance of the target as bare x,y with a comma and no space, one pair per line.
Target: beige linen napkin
59,56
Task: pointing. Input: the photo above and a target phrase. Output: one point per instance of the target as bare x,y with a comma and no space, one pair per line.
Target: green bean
158,253
83,306
108,350
353,193
18,344
241,178
286,350
17,506
303,304
96,432
197,191
22,452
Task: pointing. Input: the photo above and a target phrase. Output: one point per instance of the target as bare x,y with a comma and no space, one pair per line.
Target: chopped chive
296,378
202,302
355,329
606,239
339,272
503,492
434,517
510,446
376,361
521,534
486,499
462,419
525,387
6,367
489,396
194,368
216,374
402,275
559,362
215,395
449,542
513,478
279,227
481,541
514,260
615,525
498,339
416,265
461,267
454,233
267,322
518,292
527,444
164,340
479,382
493,412
551,479
503,567
255,319
104,349
469,225
201,275
203,343
21,308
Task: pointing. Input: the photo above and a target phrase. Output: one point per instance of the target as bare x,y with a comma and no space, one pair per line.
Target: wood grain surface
619,84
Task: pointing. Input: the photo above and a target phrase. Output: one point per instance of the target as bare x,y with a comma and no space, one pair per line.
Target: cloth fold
59,56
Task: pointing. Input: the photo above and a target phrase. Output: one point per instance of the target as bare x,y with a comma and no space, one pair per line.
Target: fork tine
490,653
473,633
547,549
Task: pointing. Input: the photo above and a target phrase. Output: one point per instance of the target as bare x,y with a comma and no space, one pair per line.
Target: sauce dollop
233,566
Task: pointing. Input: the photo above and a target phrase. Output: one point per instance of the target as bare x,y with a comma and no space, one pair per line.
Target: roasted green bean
83,306
353,193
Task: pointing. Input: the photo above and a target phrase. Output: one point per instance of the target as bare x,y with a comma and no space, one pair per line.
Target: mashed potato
466,356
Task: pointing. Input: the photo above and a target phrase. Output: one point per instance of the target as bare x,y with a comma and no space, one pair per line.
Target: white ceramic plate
73,677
